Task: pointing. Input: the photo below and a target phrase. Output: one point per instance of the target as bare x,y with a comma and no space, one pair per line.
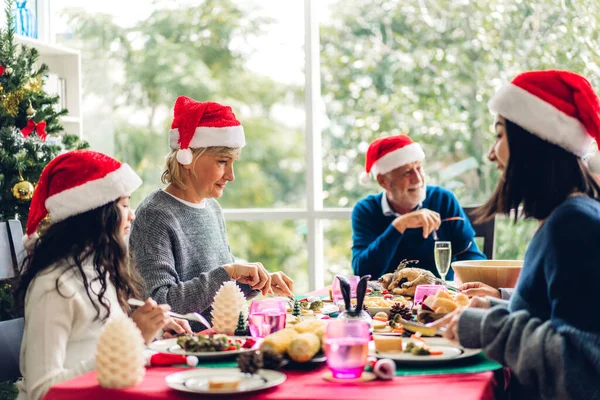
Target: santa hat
77,182
197,124
557,106
388,153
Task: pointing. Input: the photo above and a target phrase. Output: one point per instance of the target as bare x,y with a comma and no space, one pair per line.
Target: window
314,81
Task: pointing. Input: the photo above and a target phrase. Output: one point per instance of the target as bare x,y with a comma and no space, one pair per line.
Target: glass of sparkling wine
266,316
347,347
443,256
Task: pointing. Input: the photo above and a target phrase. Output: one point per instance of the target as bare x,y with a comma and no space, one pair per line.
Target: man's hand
282,285
253,274
473,289
423,218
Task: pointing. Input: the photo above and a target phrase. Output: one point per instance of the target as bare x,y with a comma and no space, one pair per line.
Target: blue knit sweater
550,334
378,247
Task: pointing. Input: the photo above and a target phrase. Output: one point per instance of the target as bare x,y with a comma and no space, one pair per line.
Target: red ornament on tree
1,70
38,127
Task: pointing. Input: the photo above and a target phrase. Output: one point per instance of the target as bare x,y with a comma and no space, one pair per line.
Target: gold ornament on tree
34,85
30,110
11,102
23,190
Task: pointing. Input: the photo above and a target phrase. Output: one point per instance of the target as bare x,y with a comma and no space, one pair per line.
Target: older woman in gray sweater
178,241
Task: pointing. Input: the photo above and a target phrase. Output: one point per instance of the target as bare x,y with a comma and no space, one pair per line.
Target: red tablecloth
299,385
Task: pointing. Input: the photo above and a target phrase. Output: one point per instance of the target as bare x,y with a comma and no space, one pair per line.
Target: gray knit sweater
180,251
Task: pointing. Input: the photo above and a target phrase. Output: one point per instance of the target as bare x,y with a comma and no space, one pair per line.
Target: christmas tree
296,311
30,129
242,328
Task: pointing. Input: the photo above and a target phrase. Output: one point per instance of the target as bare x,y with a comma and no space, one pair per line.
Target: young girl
76,275
548,335
189,258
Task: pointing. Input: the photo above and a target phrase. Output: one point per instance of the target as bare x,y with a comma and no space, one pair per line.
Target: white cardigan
60,336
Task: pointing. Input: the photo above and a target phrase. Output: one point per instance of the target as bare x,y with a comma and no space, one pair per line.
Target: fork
192,316
434,232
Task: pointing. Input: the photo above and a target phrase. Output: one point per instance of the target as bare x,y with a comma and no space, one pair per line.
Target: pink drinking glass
423,291
336,293
266,316
347,347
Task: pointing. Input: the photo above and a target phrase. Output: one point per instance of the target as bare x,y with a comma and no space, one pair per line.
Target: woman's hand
150,319
253,274
176,327
281,284
472,289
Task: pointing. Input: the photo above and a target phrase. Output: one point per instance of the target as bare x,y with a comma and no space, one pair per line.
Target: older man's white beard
420,195
410,200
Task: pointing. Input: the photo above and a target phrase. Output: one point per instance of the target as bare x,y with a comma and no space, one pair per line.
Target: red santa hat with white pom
388,153
560,107
76,182
203,124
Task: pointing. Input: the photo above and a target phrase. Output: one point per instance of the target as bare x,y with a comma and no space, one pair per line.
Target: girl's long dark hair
89,237
539,177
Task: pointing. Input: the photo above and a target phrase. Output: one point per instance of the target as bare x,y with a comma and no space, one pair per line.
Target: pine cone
272,360
250,363
402,310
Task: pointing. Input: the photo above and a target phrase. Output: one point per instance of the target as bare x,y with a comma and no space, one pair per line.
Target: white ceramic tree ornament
120,354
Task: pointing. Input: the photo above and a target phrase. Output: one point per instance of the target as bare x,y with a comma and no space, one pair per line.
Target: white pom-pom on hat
364,178
30,240
185,156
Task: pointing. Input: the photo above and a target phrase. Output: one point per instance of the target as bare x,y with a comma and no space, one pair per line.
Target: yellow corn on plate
279,341
311,325
304,347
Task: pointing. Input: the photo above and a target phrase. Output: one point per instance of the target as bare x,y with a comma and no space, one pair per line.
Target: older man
404,220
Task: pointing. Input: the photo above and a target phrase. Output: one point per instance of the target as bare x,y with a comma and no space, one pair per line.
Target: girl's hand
473,289
176,327
450,321
150,319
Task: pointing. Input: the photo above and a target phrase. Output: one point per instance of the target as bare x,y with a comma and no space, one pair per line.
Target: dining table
410,383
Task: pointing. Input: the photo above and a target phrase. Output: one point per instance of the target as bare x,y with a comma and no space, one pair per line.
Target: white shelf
65,63
46,49
68,119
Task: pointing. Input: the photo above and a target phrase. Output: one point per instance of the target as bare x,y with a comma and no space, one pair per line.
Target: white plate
451,353
171,346
196,380
329,309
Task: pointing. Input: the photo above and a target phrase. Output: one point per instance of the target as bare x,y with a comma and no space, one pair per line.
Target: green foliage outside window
424,68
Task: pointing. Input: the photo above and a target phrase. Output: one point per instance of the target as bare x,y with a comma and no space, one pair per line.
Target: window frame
314,214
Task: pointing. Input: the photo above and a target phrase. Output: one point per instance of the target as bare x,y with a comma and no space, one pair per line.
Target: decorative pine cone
272,360
250,363
402,310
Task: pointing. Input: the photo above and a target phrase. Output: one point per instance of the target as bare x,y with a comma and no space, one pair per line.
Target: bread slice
224,383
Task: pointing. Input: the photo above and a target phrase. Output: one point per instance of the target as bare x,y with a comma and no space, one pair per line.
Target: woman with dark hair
547,335
76,275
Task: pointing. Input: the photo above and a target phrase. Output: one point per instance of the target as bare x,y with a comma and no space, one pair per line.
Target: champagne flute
443,256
